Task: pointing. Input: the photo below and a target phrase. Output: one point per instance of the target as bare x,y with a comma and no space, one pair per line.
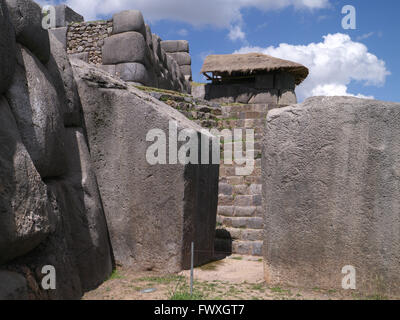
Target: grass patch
170,92
162,280
115,275
211,266
185,296
238,258
197,84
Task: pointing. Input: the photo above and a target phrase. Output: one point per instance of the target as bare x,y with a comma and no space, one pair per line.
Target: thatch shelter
244,66
251,78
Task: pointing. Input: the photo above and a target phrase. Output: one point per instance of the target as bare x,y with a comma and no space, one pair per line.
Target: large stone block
65,15
133,72
13,286
79,201
125,47
149,37
171,46
26,16
182,58
154,212
7,48
26,216
287,97
331,194
63,80
60,34
35,104
129,20
269,97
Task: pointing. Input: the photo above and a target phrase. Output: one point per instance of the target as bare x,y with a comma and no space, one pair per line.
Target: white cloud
333,63
365,36
183,32
220,13
236,33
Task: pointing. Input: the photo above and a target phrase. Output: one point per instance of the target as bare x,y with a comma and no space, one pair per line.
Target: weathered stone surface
129,20
84,56
182,58
60,34
79,246
331,194
7,48
157,46
186,70
265,97
149,37
287,97
110,68
63,80
133,72
36,107
25,212
65,15
79,200
124,47
145,234
13,286
171,46
26,16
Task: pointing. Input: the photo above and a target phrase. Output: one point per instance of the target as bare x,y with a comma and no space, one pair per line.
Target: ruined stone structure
125,47
75,183
331,194
247,87
87,38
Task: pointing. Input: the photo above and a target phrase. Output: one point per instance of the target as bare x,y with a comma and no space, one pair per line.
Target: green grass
115,275
237,258
197,84
162,280
211,266
185,295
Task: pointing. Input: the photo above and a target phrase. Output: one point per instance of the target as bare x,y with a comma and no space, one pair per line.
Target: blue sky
361,62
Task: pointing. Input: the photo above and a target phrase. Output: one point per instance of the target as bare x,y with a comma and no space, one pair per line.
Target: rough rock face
129,20
25,212
131,48
7,48
26,16
51,210
63,80
36,107
13,286
331,171
145,234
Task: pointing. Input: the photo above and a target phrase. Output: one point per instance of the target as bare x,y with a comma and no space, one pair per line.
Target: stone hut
251,78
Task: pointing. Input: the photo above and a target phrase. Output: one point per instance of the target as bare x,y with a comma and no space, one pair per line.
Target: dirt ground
233,278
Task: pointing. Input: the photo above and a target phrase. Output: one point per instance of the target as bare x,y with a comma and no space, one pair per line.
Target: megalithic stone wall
125,47
179,51
331,177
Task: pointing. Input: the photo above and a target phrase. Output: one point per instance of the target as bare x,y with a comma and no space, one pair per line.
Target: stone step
241,222
242,189
240,234
252,248
239,212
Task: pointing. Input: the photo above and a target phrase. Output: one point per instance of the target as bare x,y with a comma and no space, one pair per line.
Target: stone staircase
240,221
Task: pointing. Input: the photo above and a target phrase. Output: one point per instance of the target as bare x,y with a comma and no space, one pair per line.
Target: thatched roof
252,63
